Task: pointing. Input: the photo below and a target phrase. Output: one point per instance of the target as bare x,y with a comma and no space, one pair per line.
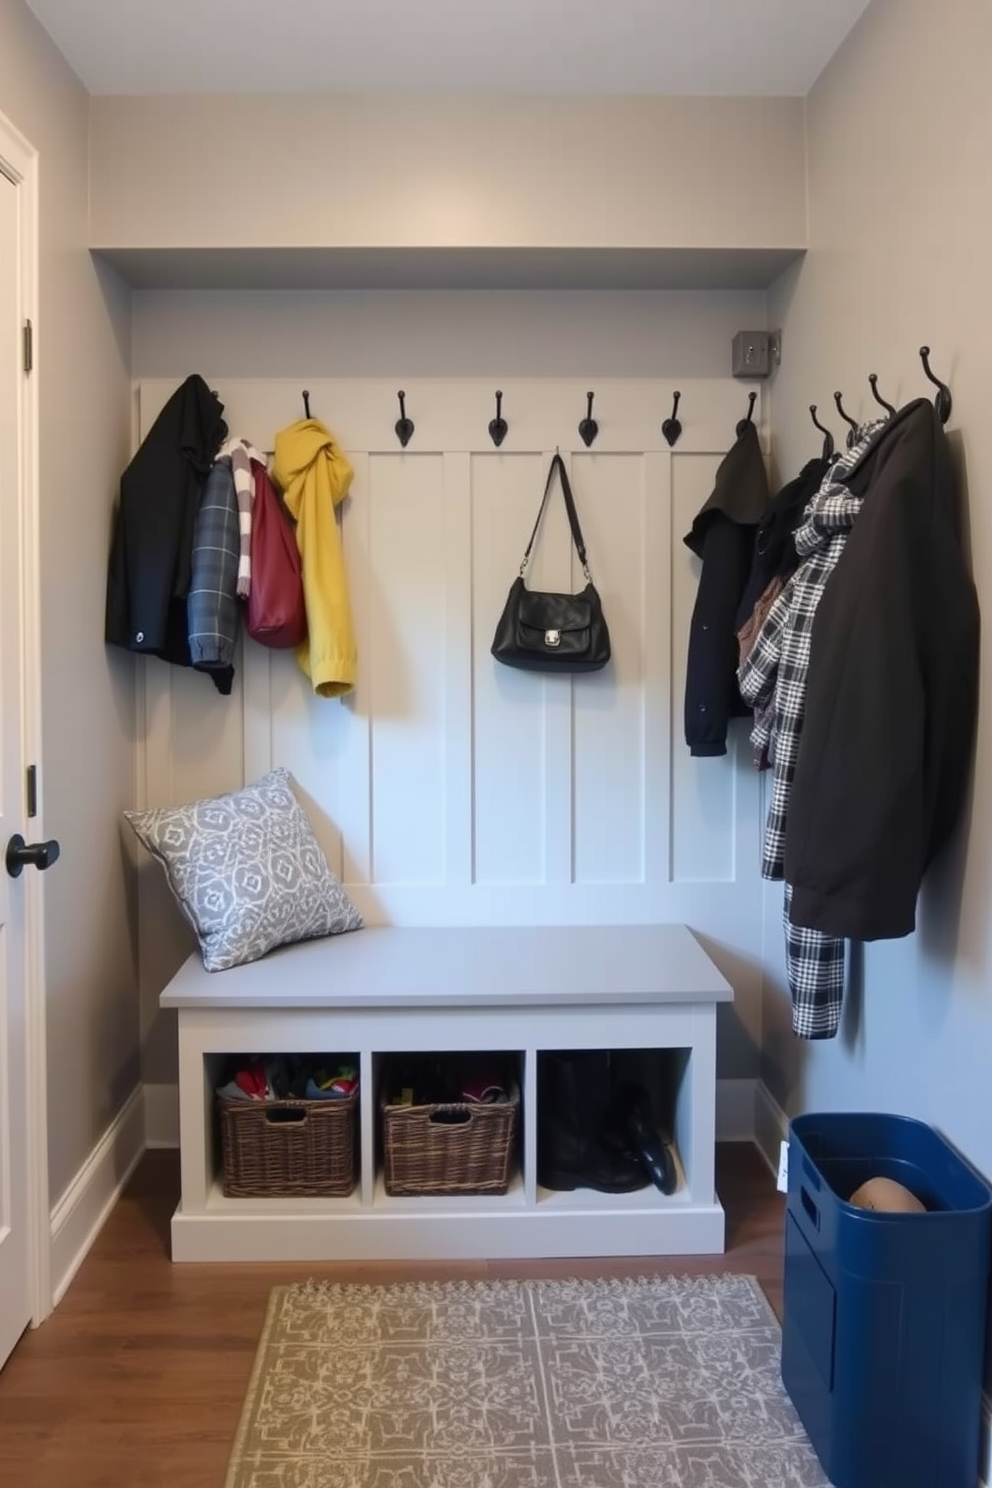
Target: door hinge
28,346
32,790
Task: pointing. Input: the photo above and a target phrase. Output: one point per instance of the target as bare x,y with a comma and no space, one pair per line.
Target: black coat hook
404,426
671,428
306,403
943,401
588,429
498,427
742,424
847,419
828,438
873,380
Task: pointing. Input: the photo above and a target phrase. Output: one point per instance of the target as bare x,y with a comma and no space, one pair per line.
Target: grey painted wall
421,333
900,224
87,695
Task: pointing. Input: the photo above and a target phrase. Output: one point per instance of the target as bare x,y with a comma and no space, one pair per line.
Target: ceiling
729,47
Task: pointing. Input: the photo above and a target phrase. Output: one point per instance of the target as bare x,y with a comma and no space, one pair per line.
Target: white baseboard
771,1125
82,1210
162,1115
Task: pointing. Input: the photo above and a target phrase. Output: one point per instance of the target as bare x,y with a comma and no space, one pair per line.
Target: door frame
19,163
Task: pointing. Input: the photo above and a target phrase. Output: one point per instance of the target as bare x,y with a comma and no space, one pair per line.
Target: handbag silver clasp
552,637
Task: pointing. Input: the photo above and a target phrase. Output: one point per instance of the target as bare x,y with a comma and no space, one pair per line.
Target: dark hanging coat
722,535
892,695
774,553
149,573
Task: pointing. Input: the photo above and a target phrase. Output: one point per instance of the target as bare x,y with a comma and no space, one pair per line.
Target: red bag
277,614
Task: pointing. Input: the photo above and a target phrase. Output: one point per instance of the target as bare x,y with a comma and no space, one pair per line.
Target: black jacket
722,535
149,573
774,554
892,695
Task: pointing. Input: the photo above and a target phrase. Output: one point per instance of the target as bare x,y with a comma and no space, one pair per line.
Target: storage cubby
581,1099
459,1002
294,1141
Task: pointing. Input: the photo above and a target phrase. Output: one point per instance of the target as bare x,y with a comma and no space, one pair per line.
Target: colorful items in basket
290,1077
453,1081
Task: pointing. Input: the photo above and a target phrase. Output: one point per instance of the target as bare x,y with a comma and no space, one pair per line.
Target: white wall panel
450,789
610,747
508,728
404,667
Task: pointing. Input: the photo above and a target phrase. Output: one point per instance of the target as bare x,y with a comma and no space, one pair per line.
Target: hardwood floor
138,1378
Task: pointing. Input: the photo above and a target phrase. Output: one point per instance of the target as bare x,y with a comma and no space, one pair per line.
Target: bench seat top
464,966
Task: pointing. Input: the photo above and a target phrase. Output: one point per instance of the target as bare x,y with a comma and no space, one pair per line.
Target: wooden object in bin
425,1153
300,1148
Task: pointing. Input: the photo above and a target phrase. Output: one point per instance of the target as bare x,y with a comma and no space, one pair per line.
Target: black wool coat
891,695
149,572
722,535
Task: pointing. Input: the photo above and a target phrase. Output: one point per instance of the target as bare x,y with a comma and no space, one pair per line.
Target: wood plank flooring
138,1378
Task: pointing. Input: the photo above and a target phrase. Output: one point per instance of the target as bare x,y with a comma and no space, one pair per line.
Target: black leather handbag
543,632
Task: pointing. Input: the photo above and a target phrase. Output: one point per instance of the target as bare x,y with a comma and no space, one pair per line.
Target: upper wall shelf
449,268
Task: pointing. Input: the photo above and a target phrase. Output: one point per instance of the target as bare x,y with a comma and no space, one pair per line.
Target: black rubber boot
579,1143
643,1140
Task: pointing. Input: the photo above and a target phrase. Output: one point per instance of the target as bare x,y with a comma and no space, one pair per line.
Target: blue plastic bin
884,1314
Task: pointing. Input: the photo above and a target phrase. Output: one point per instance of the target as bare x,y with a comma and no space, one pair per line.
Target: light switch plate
752,354
782,1181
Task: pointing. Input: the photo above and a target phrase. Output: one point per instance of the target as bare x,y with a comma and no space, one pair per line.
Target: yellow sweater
314,475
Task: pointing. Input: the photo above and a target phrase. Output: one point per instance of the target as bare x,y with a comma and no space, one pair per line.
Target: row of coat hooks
672,427
943,404
588,427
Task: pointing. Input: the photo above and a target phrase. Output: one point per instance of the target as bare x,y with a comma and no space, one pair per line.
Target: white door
15,1299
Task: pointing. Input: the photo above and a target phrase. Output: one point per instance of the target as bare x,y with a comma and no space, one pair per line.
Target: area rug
647,1383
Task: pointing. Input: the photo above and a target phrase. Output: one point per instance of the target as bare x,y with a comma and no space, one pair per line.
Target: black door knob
21,855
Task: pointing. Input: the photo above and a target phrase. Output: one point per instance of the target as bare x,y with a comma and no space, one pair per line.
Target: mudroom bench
387,991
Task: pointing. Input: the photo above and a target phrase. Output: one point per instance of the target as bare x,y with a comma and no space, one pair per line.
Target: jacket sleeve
758,672
711,695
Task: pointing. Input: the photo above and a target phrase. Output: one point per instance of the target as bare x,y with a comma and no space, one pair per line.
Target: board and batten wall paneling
450,789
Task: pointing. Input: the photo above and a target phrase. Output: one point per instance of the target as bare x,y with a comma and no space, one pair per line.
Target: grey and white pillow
247,871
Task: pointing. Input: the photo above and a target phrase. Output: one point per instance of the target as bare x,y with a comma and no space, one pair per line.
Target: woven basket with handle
302,1148
449,1148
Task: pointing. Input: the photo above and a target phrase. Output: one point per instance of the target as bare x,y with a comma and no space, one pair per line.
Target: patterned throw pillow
247,871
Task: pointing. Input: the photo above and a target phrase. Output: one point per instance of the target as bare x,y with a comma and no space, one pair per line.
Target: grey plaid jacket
773,680
212,604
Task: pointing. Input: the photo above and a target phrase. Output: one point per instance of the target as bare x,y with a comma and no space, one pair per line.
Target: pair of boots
595,1128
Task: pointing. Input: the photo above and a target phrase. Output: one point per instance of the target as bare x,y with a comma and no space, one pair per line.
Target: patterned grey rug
654,1383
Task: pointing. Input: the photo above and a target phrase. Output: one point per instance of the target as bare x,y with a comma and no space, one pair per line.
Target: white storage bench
396,990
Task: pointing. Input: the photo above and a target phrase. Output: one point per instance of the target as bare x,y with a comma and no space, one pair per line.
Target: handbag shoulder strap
558,464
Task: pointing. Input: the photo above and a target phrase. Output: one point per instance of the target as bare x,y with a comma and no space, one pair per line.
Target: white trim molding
19,161
82,1211
771,1125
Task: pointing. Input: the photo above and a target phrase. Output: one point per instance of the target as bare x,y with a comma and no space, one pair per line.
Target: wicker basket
449,1149
288,1147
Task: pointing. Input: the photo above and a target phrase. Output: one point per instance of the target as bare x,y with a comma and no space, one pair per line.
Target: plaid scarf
772,678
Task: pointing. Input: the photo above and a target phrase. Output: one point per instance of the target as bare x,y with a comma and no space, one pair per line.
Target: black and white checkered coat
212,609
776,672
776,668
